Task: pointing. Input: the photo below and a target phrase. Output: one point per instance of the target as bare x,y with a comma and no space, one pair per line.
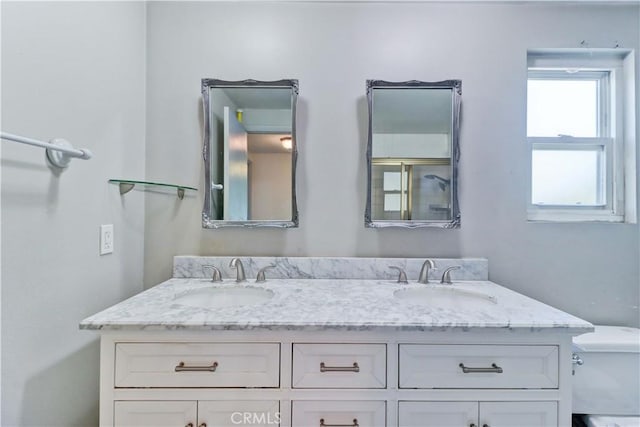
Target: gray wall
72,70
590,270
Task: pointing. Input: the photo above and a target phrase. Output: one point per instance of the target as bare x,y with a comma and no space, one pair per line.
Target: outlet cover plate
106,239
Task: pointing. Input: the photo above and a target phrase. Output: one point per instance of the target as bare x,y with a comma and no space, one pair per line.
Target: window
576,138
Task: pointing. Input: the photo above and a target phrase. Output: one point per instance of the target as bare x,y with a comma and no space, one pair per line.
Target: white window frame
608,69
402,191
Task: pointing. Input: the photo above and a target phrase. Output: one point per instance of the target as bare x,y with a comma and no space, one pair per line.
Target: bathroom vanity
334,342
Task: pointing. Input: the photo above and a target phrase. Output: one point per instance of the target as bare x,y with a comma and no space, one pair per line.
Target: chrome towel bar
59,151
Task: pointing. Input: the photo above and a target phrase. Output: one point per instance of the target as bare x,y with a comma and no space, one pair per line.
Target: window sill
565,216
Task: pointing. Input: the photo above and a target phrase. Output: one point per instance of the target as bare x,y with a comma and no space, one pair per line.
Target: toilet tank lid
609,339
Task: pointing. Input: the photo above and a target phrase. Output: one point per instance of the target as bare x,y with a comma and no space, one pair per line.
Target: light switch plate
106,239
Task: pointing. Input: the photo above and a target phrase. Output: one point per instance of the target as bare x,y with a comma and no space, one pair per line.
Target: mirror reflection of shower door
431,191
411,189
236,181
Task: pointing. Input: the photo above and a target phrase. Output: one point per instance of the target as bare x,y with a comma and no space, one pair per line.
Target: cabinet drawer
477,366
339,366
197,365
343,413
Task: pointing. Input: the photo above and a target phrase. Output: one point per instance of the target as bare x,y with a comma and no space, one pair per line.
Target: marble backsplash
330,267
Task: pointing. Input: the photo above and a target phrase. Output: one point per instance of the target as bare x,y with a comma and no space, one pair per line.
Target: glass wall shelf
127,185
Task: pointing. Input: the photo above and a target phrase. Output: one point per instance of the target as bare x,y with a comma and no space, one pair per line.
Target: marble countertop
332,304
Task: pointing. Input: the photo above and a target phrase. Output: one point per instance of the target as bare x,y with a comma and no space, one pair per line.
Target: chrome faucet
446,276
237,264
424,272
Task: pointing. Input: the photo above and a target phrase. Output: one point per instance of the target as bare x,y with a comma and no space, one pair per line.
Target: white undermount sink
443,295
224,296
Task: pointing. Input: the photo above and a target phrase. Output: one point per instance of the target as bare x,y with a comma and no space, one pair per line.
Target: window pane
562,107
567,177
391,181
392,202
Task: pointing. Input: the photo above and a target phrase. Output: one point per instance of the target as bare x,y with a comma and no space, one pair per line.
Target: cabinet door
521,414
155,414
254,413
437,414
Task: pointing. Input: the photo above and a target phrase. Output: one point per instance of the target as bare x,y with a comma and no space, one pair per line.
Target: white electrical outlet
106,239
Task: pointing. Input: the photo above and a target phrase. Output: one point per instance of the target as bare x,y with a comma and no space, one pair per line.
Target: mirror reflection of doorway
269,180
235,177
252,143
249,166
257,172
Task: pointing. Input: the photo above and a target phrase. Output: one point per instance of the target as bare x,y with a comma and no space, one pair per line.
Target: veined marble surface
332,304
331,268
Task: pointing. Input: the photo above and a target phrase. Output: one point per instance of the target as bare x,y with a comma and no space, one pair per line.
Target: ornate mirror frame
456,92
207,220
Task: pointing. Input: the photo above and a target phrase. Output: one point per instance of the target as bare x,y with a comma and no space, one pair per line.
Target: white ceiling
259,98
266,143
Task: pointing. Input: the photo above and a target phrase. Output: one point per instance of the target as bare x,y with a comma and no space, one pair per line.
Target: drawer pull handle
495,369
472,425
189,425
354,368
203,425
182,368
354,424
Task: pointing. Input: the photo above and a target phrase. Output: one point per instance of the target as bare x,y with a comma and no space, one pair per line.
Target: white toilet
606,384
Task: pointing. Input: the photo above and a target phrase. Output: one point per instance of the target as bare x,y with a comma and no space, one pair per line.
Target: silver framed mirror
250,153
412,154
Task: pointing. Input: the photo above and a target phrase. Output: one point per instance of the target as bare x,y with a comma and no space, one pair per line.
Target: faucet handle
402,276
217,276
261,277
446,276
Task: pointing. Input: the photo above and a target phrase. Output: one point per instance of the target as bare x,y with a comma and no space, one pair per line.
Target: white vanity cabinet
335,378
328,351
